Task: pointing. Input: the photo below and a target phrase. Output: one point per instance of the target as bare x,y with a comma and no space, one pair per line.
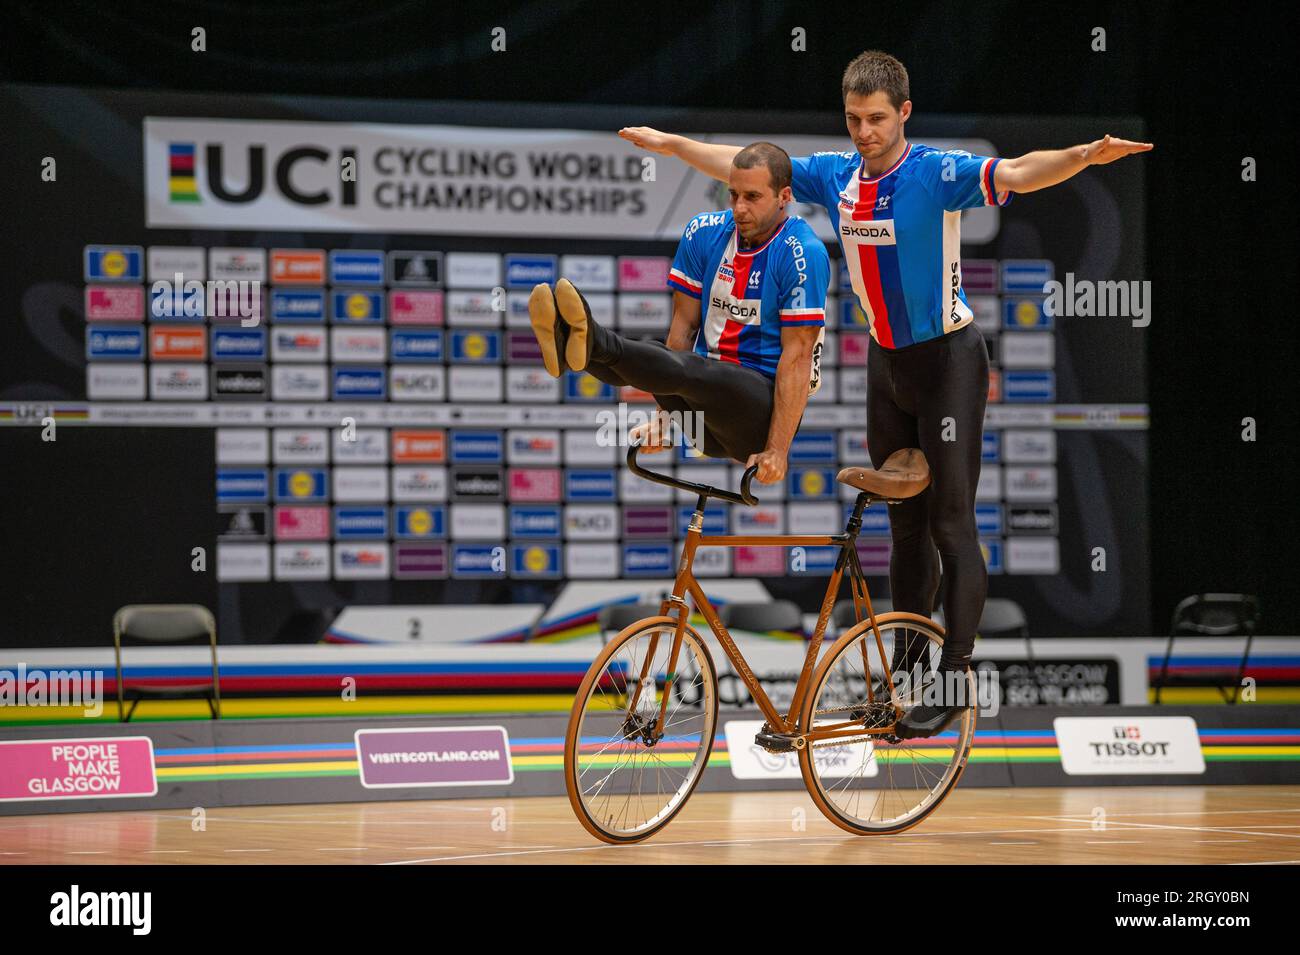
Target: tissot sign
458,180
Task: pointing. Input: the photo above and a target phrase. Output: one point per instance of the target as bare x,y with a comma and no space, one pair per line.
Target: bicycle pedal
778,742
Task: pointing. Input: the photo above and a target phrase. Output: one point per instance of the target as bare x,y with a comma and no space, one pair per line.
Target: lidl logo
114,263
475,346
300,485
809,482
586,388
358,307
1019,313
420,521
536,560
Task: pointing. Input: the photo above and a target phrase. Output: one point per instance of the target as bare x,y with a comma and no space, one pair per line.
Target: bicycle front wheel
626,780
870,783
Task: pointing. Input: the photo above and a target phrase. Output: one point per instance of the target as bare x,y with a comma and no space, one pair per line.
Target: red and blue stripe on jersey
900,233
749,295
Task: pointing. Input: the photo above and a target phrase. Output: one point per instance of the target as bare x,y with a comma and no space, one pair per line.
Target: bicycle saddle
905,473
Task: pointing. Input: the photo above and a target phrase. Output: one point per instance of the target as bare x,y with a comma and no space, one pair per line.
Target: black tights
733,401
932,396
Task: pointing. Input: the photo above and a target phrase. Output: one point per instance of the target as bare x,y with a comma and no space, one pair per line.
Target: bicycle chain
846,741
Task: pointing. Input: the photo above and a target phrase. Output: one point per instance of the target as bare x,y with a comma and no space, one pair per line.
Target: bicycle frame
686,582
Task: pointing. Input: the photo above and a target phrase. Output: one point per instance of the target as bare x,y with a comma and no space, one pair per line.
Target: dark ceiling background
1213,84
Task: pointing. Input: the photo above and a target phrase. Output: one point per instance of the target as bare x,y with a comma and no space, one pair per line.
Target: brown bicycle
642,726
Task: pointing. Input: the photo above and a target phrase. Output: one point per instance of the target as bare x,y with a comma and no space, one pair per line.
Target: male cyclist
896,207
744,348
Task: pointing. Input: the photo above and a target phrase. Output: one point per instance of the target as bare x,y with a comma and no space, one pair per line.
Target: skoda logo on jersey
869,233
742,310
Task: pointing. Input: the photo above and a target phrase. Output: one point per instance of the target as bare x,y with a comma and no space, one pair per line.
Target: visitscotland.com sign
453,756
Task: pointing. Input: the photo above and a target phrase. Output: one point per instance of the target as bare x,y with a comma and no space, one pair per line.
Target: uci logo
292,166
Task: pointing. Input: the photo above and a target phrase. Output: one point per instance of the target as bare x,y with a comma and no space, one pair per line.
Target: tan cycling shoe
576,314
550,331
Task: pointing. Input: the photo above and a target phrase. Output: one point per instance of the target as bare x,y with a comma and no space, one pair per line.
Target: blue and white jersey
900,232
749,295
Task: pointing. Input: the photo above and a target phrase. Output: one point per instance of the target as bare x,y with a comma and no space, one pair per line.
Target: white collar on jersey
740,251
862,166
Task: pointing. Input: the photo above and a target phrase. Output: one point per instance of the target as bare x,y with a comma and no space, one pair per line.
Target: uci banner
452,180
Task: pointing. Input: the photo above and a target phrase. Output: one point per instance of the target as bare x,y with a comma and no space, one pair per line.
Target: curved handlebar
744,497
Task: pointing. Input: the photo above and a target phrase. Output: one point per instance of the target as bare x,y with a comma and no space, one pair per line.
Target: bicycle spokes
871,780
632,769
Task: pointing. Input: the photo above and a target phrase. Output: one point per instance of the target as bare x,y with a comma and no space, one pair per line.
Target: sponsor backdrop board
471,757
201,276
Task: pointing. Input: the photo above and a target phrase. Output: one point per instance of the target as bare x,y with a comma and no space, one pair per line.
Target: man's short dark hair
776,159
874,71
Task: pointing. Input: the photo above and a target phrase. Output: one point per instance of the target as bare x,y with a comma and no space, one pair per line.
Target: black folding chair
614,617
845,615
165,625
764,617
1212,615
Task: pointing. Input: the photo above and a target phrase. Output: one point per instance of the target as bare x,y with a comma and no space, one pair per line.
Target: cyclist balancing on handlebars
747,369
896,207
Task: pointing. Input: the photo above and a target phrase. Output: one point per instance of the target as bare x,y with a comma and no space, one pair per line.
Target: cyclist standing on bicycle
746,370
896,207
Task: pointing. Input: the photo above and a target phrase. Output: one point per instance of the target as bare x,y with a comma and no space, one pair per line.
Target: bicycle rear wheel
625,783
872,784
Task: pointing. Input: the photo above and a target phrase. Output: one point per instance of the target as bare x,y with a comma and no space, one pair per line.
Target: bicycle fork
675,601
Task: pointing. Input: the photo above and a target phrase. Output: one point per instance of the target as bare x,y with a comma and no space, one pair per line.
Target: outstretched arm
711,159
1047,167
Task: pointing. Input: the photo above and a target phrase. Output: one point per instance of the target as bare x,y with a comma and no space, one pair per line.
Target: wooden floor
1183,824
